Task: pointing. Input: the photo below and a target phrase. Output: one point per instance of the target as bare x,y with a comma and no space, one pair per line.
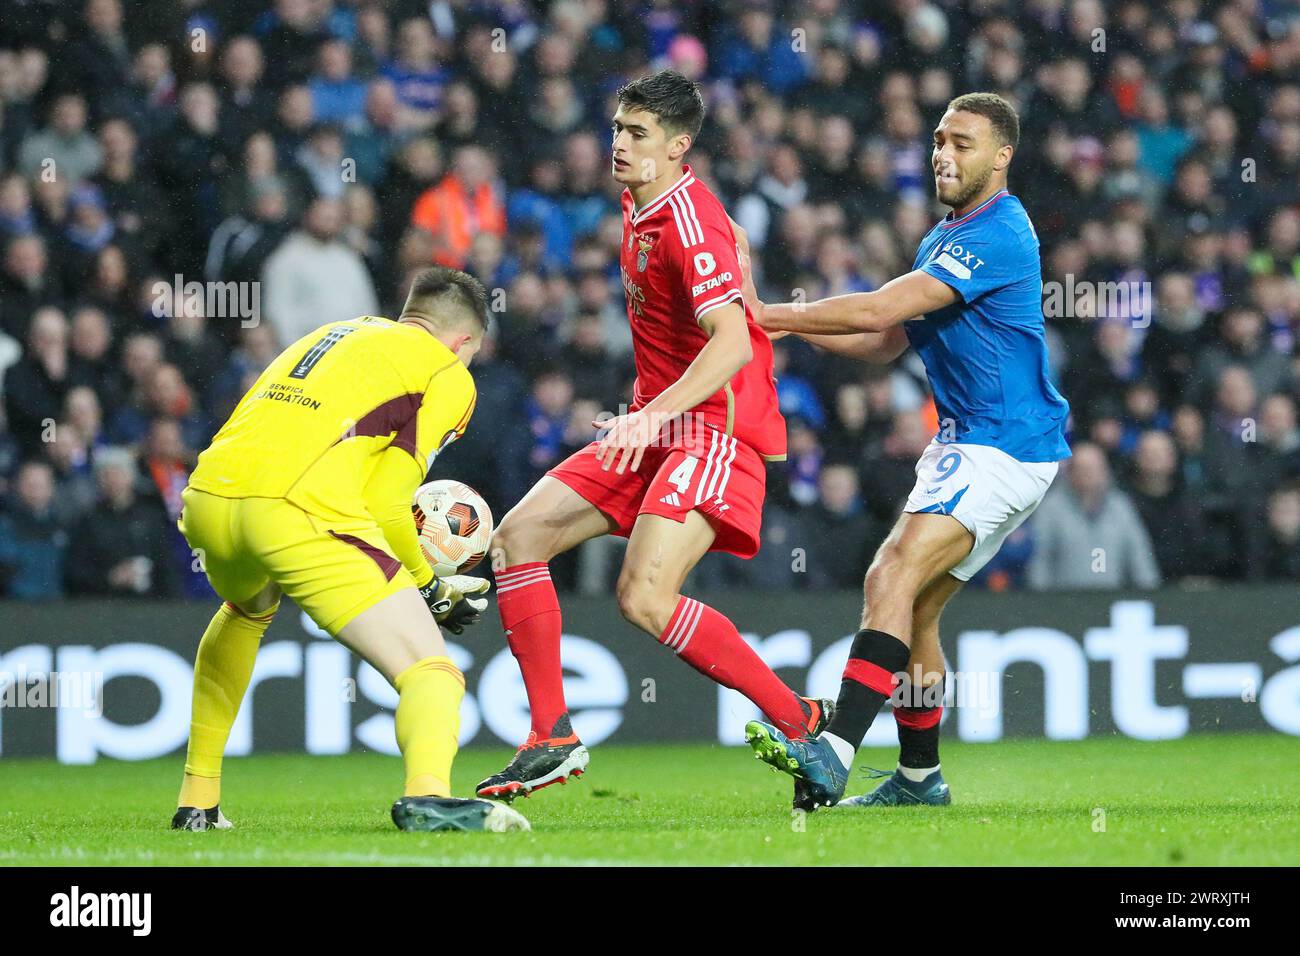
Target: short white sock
843,749
915,774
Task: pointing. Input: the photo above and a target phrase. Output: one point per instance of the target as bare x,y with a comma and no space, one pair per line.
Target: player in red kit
680,474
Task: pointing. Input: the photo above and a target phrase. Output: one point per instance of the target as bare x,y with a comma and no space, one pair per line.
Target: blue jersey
986,354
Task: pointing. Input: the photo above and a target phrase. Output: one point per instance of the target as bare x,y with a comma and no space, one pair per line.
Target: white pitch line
271,857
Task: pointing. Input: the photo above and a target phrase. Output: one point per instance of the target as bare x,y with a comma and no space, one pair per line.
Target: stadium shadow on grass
1212,800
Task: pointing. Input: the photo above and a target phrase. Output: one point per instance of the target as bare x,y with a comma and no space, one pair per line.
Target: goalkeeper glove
448,599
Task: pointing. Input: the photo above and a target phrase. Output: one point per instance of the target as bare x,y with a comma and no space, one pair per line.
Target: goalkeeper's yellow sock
221,673
428,724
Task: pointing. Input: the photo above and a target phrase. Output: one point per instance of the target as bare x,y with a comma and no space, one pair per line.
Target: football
454,524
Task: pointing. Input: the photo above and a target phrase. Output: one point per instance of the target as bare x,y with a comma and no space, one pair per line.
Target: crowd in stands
188,186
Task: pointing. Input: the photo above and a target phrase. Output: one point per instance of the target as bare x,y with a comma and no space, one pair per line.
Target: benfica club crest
645,244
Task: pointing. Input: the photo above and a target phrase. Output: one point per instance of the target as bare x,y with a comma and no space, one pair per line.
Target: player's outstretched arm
876,348
726,353
911,296
388,496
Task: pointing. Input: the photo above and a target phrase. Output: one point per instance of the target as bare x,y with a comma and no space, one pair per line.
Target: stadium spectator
1170,346
122,542
99,54
256,348
374,136
337,95
16,216
1009,568
290,37
583,192
192,347
889,471
759,49
1279,439
137,207
246,105
852,427
164,393
596,298
71,457
166,463
360,230
1171,515
798,397
416,167
83,412
188,167
1234,486
547,414
10,353
464,202
557,113
527,336
242,243
1280,558
802,467
594,371
1087,534
36,385
89,230
1141,413
373,42
313,278
1243,343
1101,374
151,97
838,536
111,286
321,157
33,543
781,563
65,148
1161,143
28,282
416,73
294,120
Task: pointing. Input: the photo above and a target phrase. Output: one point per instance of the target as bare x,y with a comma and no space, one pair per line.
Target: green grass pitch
1210,800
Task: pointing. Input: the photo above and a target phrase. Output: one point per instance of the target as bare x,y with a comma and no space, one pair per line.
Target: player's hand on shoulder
450,599
742,237
750,293
747,287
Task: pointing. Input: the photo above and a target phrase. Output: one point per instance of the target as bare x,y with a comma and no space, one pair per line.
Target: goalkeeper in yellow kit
306,491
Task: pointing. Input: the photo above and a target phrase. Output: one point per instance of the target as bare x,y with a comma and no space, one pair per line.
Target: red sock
530,614
710,643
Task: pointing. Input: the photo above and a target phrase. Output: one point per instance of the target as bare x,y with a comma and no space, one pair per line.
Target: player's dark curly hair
443,286
1001,114
673,99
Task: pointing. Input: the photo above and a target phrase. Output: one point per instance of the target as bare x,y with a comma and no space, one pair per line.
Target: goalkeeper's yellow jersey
344,424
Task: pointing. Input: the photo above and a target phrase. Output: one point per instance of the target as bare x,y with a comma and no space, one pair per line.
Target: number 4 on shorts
681,476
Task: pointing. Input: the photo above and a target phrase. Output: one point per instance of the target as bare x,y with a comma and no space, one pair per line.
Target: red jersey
680,261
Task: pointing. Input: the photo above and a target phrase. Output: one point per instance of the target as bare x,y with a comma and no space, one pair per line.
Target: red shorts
723,479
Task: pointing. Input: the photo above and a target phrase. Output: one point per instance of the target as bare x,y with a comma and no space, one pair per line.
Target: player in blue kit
972,308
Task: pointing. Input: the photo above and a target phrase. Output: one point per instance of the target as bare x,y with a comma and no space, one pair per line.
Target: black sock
918,726
868,682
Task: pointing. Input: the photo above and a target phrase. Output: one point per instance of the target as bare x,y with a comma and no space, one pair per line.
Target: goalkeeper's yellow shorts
331,572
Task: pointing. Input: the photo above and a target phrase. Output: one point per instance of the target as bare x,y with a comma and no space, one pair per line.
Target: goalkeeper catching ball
306,491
